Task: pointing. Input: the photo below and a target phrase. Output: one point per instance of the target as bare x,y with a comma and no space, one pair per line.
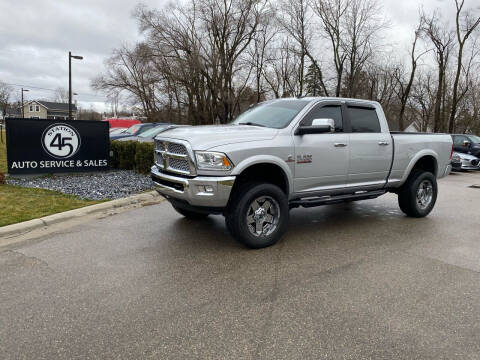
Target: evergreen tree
312,81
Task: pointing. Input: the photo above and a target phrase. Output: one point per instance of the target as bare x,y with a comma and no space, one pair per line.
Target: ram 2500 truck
287,153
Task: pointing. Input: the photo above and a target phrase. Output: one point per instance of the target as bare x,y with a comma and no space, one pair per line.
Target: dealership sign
51,146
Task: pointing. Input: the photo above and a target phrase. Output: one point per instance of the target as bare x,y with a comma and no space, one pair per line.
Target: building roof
49,105
56,106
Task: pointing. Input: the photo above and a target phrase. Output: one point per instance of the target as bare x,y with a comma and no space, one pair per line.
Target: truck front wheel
418,195
258,215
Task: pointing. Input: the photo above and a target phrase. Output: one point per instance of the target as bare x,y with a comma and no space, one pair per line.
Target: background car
468,144
149,135
462,161
117,130
456,162
135,130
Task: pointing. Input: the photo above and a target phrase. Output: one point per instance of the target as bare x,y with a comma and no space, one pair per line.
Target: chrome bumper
198,191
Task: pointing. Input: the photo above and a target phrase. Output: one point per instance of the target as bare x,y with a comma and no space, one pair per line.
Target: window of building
37,108
363,120
31,107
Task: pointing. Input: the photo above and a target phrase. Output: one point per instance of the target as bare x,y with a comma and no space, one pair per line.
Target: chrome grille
173,157
176,148
179,164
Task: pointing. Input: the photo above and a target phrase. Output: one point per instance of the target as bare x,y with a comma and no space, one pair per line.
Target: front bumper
468,164
205,191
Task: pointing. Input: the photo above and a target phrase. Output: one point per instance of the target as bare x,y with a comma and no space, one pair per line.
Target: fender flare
266,159
415,159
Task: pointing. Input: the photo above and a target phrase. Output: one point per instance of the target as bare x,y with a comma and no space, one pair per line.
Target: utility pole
70,57
23,110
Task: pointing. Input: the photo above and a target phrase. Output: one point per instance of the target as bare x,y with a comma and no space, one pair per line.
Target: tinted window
458,140
132,129
325,112
274,114
364,120
143,129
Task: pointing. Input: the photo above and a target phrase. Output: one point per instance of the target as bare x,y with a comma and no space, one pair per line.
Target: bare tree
131,71
113,98
363,23
296,18
60,95
332,14
442,40
281,70
5,94
465,25
404,88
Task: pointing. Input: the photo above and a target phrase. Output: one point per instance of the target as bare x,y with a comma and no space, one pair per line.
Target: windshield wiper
251,123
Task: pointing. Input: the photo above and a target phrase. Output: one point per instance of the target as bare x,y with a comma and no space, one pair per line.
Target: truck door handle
383,143
339,144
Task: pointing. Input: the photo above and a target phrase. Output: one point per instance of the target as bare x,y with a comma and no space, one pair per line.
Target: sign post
56,146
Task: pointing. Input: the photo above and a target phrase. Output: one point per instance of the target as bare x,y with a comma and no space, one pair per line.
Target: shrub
143,157
126,156
114,154
131,155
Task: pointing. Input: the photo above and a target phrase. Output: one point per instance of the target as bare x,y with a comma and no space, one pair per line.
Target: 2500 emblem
304,159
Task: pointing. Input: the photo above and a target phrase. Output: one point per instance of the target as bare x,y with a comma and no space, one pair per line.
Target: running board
335,199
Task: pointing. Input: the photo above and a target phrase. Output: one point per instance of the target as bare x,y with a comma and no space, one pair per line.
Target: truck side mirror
319,126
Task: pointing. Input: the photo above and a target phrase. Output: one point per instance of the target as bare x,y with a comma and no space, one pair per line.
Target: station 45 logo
61,141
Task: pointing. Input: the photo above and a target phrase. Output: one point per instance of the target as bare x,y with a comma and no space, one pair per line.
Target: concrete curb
23,227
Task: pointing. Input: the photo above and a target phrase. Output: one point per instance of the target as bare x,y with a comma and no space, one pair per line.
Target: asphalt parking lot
348,281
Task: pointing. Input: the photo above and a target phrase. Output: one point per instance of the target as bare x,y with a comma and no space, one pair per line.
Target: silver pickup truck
287,153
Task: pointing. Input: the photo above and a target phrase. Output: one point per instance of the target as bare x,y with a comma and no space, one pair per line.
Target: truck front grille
173,157
177,149
179,164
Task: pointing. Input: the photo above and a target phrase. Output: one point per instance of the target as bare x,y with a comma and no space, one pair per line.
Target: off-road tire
407,196
237,214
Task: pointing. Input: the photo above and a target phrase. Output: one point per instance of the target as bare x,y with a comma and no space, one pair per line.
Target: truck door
321,160
371,150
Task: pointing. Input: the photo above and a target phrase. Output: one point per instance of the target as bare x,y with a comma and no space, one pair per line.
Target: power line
41,88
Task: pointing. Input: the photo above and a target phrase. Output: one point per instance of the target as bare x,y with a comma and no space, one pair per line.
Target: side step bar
335,199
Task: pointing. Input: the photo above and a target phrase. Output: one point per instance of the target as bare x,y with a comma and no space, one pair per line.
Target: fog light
201,188
208,188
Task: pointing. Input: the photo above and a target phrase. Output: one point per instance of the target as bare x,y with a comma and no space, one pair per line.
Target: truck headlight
209,160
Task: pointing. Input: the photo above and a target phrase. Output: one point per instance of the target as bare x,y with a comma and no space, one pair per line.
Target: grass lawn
20,204
3,154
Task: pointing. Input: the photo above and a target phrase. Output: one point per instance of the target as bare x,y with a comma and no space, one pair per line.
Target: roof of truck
311,98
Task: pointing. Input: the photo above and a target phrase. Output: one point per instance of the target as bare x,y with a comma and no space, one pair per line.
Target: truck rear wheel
418,195
190,214
258,215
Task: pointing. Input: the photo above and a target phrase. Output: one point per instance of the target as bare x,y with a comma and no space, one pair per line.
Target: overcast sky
36,35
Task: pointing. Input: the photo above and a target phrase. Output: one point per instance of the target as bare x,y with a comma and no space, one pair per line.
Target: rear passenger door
371,150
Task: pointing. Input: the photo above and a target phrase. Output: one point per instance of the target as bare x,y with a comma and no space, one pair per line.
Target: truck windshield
273,114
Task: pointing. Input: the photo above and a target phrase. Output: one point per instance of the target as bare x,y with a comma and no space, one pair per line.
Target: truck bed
408,149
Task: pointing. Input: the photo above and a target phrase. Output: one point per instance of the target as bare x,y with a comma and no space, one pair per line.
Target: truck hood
208,136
